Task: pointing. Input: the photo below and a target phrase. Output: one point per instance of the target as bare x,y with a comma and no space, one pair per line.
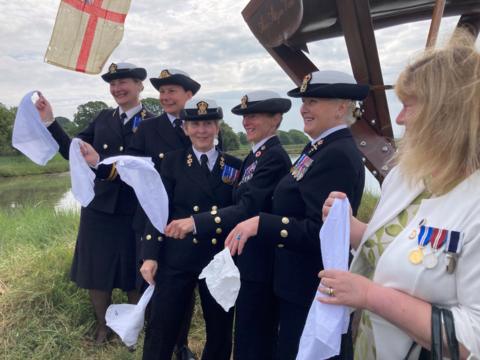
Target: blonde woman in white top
422,245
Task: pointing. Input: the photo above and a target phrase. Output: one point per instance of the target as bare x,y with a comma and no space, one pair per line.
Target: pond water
39,190
54,190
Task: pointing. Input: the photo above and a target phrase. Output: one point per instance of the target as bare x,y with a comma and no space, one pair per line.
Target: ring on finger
330,292
238,237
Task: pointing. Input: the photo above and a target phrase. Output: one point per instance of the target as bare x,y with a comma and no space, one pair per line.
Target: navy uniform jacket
154,138
190,190
296,216
251,196
109,137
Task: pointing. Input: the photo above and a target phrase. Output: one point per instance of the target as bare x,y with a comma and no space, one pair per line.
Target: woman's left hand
345,288
178,229
237,238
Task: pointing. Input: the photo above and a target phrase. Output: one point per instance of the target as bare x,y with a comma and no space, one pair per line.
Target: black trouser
291,321
255,322
141,285
171,299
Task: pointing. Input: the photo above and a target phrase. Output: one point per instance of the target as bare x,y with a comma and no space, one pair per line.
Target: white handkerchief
81,176
140,174
127,320
222,278
29,134
322,334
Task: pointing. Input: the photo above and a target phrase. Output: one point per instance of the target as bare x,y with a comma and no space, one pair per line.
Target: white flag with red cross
85,33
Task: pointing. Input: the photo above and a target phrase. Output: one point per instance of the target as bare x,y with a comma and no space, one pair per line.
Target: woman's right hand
44,109
148,271
89,154
327,205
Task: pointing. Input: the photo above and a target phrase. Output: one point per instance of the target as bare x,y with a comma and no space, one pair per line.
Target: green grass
43,315
19,165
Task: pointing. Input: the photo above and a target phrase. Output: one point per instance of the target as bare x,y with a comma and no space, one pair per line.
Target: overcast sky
208,39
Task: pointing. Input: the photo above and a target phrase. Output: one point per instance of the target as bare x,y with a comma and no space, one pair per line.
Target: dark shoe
184,353
102,334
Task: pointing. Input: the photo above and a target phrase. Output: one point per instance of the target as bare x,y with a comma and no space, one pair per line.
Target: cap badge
164,74
305,82
202,107
243,102
112,68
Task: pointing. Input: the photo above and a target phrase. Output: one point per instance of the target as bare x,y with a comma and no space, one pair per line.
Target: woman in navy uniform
329,162
197,178
104,256
265,165
154,138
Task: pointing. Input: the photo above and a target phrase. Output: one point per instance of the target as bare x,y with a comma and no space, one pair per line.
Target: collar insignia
306,81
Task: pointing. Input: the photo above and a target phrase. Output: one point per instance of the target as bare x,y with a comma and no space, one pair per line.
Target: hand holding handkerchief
223,279
81,175
322,334
30,135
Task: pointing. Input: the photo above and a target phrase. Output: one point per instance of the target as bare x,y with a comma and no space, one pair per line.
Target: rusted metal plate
297,22
284,27
265,18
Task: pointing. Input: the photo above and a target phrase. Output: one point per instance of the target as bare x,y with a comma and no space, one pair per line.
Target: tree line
86,112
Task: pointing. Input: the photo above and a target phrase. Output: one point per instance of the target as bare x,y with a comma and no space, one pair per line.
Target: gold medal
416,256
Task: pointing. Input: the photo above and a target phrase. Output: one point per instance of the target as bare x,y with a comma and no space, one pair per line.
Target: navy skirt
105,252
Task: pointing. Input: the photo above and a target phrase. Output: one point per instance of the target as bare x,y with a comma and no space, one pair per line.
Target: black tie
123,117
177,123
204,164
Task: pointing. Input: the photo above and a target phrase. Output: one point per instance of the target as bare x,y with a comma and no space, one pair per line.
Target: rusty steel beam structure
285,27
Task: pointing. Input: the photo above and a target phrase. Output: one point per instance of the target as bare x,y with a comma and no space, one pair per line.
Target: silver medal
430,261
451,262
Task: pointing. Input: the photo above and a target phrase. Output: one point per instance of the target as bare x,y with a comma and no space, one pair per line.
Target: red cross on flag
85,33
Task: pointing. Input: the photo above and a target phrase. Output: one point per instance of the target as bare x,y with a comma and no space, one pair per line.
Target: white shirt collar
172,118
130,113
258,145
212,156
328,132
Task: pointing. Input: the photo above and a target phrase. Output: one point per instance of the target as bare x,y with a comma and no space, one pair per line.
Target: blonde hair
442,143
350,114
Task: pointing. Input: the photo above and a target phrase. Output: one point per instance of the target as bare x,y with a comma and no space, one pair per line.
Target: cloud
209,39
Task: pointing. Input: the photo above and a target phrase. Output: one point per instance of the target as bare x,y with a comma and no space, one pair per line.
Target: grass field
19,165
43,315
